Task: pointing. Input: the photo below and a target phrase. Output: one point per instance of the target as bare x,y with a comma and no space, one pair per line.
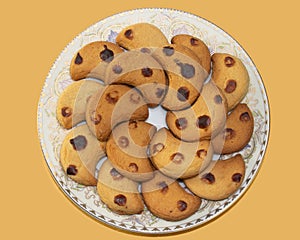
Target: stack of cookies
166,170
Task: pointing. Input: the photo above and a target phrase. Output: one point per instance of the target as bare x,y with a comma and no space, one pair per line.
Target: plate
171,22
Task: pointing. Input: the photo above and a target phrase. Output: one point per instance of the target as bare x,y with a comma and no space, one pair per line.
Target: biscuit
113,105
166,199
80,152
231,76
127,149
185,75
197,46
141,35
204,120
71,105
178,159
119,193
238,131
221,179
92,59
140,70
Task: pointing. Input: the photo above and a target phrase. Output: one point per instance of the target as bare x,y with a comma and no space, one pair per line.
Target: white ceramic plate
171,22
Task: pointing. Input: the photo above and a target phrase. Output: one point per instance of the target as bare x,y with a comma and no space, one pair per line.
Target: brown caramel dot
133,167
66,112
129,34
237,177
183,94
181,123
208,178
181,205
120,200
203,121
78,59
229,61
95,118
117,69
164,187
132,124
245,117
79,142
147,72
135,98
123,142
106,55
72,170
218,99
112,97
229,133
115,174
201,153
230,86
158,147
168,51
177,158
159,92
194,41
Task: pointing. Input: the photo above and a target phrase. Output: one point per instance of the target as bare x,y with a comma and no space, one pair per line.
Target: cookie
178,159
140,70
197,46
80,152
204,120
231,76
222,179
113,105
166,199
127,149
185,74
71,105
141,35
238,131
118,192
92,59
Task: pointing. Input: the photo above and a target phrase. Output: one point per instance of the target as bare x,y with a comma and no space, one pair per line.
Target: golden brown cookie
231,76
127,149
238,131
113,105
80,152
118,192
185,74
221,179
178,159
92,59
204,120
71,105
141,35
166,199
140,70
197,46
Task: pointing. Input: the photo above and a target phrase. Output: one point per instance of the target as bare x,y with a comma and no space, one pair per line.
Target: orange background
33,33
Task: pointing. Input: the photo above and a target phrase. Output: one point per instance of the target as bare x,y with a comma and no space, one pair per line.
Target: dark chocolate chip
115,174
181,123
159,92
183,94
201,153
177,158
79,142
112,97
72,170
168,51
145,50
194,41
229,133
120,200
157,147
187,70
66,112
229,61
237,177
230,86
203,121
181,205
107,55
218,99
147,72
117,69
208,178
244,117
164,187
95,118
135,98
129,34
78,59
123,142
133,167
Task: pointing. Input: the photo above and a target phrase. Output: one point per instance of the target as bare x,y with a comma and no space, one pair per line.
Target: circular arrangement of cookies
113,146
